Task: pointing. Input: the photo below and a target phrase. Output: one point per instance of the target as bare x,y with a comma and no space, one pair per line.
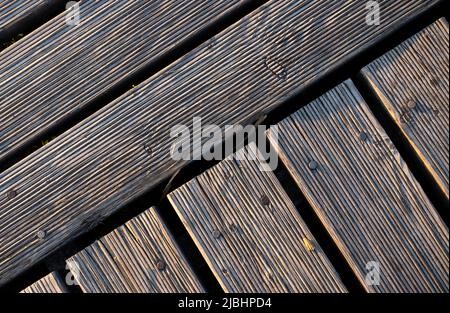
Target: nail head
216,234
265,200
411,104
41,234
313,165
11,194
161,265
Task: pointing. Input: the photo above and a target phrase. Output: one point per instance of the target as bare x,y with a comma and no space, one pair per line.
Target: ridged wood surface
412,83
49,284
249,231
89,172
365,194
59,69
13,10
138,257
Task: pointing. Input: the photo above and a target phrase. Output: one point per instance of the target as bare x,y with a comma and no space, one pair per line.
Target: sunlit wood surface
227,62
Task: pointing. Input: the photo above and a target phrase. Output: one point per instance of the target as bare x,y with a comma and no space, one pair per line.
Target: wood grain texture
92,170
412,83
364,193
250,232
58,69
12,11
51,283
138,257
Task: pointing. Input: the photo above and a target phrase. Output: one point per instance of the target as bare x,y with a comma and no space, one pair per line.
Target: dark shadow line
31,21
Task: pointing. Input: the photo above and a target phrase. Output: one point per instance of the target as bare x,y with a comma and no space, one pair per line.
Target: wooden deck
13,11
140,256
59,70
250,232
100,99
365,194
51,283
412,83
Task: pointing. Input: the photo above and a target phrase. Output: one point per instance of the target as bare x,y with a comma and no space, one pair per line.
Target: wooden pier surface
86,114
412,83
364,193
51,283
140,256
250,232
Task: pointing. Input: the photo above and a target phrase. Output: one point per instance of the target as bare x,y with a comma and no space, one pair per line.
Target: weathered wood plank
58,69
123,150
364,193
49,284
140,256
12,11
412,83
250,232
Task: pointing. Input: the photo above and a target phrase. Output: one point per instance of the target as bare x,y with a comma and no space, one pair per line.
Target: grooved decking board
250,232
126,260
58,69
13,10
365,194
123,150
49,284
416,73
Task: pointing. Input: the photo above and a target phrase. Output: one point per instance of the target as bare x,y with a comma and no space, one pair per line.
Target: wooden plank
250,232
49,284
12,11
59,69
412,83
124,149
364,193
138,257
